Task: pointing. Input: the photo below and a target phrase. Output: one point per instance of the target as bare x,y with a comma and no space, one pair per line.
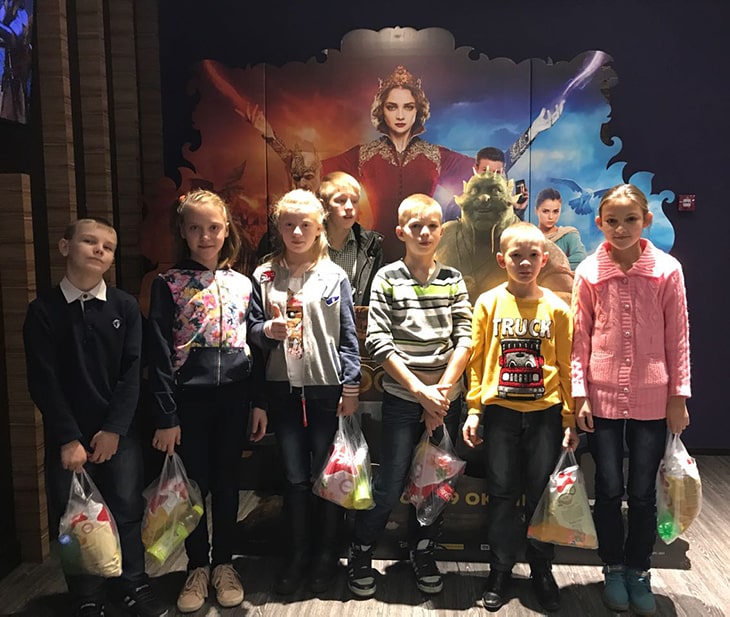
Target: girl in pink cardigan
630,380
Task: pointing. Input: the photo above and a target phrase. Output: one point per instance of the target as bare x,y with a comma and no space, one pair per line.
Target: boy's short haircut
418,203
548,193
521,231
68,234
336,182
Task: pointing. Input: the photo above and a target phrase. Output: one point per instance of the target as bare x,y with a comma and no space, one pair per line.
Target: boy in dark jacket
83,345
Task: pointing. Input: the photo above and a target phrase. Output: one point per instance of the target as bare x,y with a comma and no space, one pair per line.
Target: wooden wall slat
94,104
57,125
150,101
17,273
123,69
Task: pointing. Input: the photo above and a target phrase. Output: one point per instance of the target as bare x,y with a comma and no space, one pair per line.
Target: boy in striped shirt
419,329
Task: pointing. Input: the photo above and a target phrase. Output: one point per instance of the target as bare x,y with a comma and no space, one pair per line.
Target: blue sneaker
615,593
641,598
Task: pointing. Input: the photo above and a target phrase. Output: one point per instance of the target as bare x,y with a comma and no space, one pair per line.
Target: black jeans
521,450
213,424
646,441
402,430
120,481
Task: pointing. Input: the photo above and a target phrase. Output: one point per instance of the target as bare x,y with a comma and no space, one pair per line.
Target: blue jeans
303,451
521,450
120,481
646,441
402,429
213,424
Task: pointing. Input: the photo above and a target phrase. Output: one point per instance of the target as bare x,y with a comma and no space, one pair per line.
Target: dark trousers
120,481
521,450
402,429
646,441
303,451
213,424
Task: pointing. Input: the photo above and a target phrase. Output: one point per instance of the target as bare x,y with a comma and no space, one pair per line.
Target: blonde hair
625,192
336,182
231,248
521,231
300,201
73,226
418,203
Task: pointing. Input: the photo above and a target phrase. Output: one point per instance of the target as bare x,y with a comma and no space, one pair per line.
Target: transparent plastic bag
435,469
346,478
174,509
563,514
87,534
678,491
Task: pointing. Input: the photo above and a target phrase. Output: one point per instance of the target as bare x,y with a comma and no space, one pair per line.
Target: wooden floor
700,588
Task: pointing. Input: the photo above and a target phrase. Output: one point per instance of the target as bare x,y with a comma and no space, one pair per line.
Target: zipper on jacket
220,328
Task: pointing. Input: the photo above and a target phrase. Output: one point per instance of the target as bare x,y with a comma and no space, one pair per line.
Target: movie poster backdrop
263,128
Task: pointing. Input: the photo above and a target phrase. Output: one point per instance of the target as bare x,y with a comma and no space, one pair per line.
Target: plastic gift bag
87,534
678,491
174,509
346,478
434,472
563,514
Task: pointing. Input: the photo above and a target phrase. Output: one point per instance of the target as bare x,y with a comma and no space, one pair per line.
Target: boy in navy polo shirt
83,344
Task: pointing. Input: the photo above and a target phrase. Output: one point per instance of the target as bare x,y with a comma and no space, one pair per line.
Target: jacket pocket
214,366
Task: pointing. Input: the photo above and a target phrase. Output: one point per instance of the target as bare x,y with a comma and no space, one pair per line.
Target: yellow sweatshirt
520,353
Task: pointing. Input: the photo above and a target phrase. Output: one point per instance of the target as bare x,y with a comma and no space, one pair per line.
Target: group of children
227,354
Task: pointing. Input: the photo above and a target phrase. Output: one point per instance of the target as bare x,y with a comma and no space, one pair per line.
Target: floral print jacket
197,335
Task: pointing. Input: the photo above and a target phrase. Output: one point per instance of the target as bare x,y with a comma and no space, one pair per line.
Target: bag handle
565,453
82,485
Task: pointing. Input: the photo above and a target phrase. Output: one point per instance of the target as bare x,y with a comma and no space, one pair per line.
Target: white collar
73,293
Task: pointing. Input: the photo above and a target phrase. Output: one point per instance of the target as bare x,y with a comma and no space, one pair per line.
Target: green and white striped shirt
422,323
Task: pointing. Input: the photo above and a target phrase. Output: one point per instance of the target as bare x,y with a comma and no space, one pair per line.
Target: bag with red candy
87,534
346,478
435,470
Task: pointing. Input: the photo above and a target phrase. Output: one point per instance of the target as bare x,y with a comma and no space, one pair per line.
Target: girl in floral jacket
199,371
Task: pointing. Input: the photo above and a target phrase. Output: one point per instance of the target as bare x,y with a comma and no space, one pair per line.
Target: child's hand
73,456
584,417
103,446
347,405
571,439
677,414
259,422
469,431
165,439
433,399
276,328
432,422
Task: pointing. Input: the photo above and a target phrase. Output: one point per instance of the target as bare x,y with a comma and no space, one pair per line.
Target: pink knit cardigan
631,334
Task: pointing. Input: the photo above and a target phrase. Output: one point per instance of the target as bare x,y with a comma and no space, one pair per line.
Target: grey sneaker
360,572
428,577
641,599
615,594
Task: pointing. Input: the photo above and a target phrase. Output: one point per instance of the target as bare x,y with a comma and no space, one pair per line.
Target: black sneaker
90,609
142,601
428,577
360,573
